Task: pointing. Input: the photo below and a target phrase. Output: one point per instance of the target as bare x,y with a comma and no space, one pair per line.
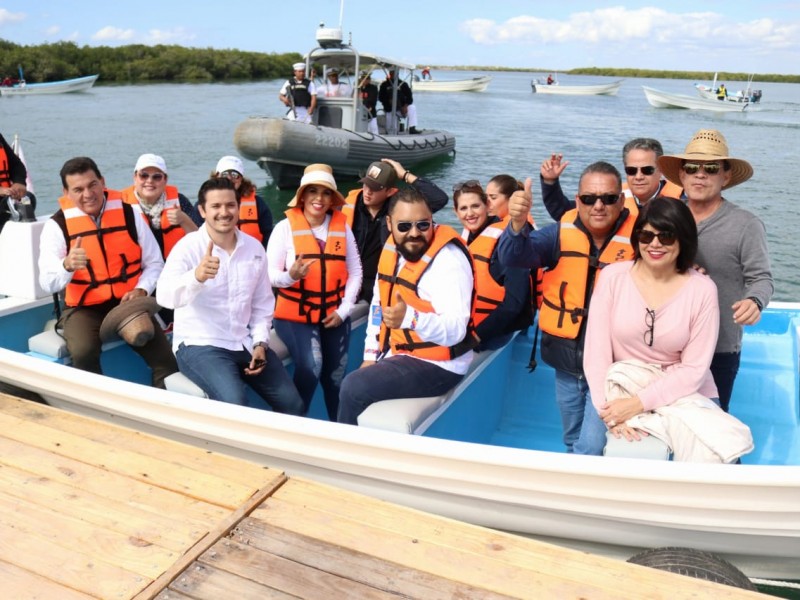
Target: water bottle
25,209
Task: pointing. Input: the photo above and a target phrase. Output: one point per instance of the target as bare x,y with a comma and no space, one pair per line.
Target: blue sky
745,36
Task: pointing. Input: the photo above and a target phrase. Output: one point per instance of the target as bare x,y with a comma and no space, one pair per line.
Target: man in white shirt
300,95
102,254
420,337
336,89
216,281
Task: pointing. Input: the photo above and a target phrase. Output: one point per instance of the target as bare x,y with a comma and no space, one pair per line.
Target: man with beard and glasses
420,336
573,252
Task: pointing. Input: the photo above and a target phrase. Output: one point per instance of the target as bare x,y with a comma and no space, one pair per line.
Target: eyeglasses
649,321
666,238
631,171
231,174
709,168
607,199
466,185
405,226
154,176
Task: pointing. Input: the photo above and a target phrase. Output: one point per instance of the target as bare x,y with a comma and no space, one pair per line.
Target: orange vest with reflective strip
320,292
488,293
565,287
114,258
349,206
248,216
407,341
5,169
170,233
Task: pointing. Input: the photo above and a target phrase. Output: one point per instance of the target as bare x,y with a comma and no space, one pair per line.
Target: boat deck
93,510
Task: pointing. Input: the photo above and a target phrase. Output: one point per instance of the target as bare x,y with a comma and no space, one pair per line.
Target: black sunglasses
667,238
405,226
710,168
154,176
607,199
650,322
466,185
631,171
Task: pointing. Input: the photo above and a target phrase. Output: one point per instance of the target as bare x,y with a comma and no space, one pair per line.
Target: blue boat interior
508,405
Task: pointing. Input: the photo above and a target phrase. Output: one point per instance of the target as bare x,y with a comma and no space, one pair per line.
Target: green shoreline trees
138,63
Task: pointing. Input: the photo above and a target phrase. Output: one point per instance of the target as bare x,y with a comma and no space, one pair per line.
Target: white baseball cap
150,160
230,163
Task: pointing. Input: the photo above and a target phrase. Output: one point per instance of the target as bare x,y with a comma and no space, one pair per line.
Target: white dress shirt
447,285
53,277
233,310
281,255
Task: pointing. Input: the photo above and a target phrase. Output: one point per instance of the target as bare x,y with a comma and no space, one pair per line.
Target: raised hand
300,267
393,315
76,259
553,167
208,267
519,206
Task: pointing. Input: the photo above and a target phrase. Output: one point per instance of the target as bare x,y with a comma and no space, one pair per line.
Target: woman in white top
314,264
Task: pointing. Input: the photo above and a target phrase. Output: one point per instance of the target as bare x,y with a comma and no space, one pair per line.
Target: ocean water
507,129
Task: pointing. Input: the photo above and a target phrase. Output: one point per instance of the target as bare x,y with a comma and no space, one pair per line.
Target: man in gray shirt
732,244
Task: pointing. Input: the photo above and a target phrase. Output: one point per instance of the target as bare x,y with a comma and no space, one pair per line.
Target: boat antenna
341,13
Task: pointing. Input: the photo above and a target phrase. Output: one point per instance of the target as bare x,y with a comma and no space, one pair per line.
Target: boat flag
17,148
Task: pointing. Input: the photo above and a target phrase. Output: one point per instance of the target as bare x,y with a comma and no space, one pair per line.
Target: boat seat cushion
649,447
180,383
415,415
49,343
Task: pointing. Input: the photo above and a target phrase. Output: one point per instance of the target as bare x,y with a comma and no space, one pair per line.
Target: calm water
506,129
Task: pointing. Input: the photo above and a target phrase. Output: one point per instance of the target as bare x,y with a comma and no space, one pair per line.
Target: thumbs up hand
76,259
393,315
519,206
208,267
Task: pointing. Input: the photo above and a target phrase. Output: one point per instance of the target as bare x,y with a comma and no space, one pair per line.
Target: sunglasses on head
405,226
590,199
467,185
631,171
709,168
666,238
154,176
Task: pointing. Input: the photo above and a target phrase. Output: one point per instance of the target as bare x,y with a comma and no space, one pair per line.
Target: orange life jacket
407,341
248,216
566,288
5,169
170,233
115,258
349,206
320,292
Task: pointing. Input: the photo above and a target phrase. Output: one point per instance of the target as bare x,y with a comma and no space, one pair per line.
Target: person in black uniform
405,103
13,175
300,95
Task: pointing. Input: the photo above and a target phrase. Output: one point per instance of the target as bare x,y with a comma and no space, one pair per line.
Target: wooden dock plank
20,584
487,560
207,461
170,476
202,582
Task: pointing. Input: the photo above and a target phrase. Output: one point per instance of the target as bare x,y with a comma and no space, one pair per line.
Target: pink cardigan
684,336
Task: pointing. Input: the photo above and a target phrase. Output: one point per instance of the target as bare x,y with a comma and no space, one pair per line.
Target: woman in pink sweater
657,309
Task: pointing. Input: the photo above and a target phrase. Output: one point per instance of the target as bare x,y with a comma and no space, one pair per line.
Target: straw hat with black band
706,145
318,174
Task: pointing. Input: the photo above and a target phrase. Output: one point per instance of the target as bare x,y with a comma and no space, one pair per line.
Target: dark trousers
81,328
724,367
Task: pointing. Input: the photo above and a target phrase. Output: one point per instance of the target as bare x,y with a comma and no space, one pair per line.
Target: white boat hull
79,84
659,99
476,84
606,89
284,148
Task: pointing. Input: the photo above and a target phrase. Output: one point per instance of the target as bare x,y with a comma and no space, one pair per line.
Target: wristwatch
757,303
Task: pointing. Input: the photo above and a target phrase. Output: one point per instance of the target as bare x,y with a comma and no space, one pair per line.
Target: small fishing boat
489,452
476,84
712,92
602,89
339,135
660,99
22,88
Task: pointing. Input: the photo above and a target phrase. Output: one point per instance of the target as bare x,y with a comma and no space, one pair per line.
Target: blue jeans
320,356
584,430
724,367
393,377
220,373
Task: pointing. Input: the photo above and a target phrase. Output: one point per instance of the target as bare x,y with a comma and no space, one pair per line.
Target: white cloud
51,31
114,34
7,17
177,35
648,24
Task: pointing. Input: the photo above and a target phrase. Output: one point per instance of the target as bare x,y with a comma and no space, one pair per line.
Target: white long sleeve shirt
233,310
447,285
281,255
53,277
